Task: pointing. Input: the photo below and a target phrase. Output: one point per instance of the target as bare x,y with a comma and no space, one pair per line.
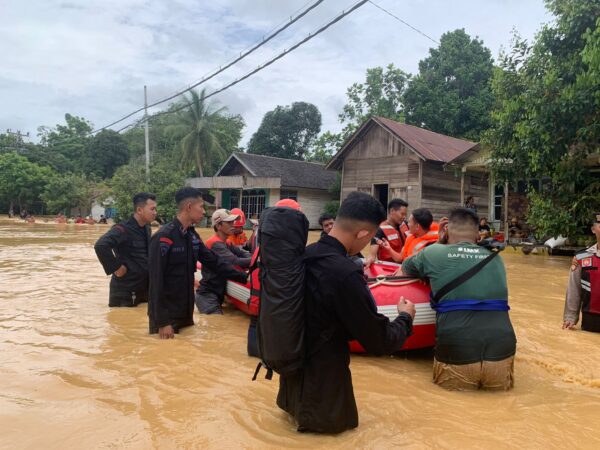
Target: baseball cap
223,215
289,203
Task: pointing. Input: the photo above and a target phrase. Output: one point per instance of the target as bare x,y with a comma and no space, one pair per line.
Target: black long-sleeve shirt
126,244
339,307
174,252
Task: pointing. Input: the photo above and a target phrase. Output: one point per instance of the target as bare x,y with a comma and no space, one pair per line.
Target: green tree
202,134
21,181
68,142
380,95
106,151
165,180
452,93
546,122
287,131
67,191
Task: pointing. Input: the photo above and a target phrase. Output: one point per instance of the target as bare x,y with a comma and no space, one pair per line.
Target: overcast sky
91,58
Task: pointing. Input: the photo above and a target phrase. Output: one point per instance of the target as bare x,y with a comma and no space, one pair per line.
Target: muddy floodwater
76,375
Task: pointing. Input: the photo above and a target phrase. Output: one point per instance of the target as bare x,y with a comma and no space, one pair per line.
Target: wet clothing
395,235
583,290
174,252
486,375
466,336
211,292
339,308
126,244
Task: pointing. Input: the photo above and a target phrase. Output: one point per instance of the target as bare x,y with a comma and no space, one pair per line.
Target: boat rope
381,280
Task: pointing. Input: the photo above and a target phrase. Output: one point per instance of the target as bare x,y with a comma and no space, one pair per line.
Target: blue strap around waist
470,305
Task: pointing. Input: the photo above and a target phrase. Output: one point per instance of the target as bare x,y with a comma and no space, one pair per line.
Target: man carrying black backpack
339,307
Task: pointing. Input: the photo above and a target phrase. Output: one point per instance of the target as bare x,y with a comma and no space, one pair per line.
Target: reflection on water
78,375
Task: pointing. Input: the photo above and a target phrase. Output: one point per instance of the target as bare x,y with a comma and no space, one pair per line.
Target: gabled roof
428,145
293,173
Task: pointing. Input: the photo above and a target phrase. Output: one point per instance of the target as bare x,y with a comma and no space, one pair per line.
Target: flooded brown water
75,374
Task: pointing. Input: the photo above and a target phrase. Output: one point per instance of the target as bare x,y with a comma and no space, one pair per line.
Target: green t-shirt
465,337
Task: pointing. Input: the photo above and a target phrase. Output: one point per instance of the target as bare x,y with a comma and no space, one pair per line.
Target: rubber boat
386,290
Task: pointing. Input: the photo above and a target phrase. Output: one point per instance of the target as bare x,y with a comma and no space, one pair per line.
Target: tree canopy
287,131
546,122
451,94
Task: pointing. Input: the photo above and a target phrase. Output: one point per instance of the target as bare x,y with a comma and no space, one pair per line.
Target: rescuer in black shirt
339,308
174,251
123,253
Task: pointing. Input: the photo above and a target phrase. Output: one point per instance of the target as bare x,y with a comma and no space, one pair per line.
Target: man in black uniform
340,307
174,251
123,252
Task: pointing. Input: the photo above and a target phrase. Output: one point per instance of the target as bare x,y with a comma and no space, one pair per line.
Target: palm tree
199,125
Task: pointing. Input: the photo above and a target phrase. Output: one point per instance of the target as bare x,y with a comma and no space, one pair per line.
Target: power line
262,66
222,68
402,21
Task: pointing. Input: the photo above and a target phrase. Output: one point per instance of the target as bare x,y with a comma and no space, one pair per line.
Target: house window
253,202
498,196
288,194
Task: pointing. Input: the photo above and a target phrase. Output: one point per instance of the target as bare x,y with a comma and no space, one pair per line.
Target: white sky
92,58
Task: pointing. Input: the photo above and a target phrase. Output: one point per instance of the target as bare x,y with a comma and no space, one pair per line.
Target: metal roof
430,146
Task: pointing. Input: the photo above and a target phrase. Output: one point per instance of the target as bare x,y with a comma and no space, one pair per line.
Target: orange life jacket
214,239
397,240
237,239
415,244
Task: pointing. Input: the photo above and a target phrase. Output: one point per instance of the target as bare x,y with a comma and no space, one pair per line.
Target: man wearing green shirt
475,340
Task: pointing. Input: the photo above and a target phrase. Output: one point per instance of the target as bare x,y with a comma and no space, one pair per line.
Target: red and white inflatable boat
386,291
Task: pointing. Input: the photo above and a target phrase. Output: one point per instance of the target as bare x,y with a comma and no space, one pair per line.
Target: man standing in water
339,307
475,344
174,251
583,291
123,253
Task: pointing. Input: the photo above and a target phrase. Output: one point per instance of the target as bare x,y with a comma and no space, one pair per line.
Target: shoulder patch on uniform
165,243
586,262
120,228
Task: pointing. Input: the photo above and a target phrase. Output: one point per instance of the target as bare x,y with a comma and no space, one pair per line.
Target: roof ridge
278,157
424,129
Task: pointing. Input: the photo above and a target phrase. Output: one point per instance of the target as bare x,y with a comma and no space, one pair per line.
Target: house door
380,192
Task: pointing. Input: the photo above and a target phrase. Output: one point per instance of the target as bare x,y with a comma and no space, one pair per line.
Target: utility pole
18,137
146,136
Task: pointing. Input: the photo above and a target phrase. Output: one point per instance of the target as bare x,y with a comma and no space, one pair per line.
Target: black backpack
282,237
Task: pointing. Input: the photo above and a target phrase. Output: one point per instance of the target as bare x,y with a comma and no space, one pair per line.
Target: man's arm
210,259
105,249
231,254
374,248
573,297
158,256
356,310
413,266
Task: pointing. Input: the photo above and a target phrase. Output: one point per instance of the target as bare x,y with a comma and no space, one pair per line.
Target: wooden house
390,160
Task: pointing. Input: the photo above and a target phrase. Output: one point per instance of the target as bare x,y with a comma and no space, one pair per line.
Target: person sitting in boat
475,343
391,236
238,238
326,222
211,293
583,290
484,228
423,232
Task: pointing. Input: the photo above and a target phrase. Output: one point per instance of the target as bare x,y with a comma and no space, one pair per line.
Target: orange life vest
214,239
397,240
237,239
415,244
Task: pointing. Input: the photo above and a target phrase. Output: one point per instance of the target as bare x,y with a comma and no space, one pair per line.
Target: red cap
289,203
241,220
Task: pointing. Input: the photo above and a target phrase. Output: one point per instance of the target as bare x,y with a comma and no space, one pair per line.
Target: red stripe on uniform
166,240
